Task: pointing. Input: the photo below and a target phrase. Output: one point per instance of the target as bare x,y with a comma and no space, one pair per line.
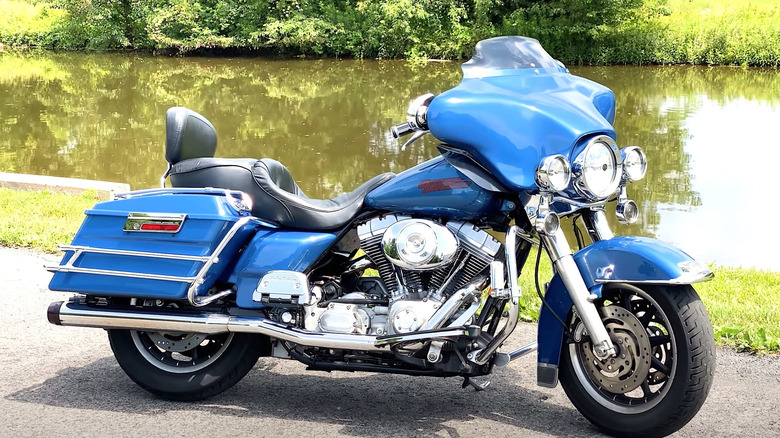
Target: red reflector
159,227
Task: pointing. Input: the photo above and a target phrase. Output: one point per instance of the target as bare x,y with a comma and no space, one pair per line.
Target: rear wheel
185,366
664,364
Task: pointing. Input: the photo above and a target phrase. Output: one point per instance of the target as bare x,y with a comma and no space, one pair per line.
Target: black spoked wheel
185,366
664,364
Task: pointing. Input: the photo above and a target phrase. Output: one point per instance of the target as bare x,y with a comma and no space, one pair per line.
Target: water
708,132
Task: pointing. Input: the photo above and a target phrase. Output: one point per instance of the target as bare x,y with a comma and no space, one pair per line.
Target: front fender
625,259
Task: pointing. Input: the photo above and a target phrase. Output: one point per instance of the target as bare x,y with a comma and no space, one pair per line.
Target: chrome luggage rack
238,201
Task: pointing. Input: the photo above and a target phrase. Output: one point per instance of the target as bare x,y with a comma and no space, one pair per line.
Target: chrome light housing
553,173
634,163
598,169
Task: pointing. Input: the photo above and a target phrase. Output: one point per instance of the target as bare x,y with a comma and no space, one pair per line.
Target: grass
743,304
41,220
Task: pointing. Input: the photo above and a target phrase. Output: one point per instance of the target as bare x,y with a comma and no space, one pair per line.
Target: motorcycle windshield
517,105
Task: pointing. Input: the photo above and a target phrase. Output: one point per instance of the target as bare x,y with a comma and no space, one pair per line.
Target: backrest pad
188,135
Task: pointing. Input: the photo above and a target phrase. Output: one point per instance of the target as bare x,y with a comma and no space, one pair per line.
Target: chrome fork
550,233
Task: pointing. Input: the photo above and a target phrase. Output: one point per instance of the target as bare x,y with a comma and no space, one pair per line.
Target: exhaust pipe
80,315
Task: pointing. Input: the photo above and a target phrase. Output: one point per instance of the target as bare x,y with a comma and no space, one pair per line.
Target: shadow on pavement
365,405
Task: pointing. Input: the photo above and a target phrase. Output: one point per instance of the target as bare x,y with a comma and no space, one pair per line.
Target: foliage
23,23
575,31
367,28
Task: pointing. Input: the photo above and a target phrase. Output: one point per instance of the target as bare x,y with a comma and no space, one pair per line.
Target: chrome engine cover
419,244
408,316
345,318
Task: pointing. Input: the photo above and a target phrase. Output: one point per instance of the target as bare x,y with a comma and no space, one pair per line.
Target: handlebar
402,129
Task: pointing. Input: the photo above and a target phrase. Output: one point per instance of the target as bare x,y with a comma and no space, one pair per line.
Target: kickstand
478,386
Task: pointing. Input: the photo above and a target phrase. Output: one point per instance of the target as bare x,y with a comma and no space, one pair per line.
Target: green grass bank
743,304
574,31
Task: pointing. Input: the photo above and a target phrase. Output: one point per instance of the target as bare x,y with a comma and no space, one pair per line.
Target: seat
190,144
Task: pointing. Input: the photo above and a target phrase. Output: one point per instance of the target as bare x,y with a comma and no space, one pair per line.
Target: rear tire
662,375
186,367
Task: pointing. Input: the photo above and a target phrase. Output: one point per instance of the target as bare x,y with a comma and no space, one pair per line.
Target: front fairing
517,105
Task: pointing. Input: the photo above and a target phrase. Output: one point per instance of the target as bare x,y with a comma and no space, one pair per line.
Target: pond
710,133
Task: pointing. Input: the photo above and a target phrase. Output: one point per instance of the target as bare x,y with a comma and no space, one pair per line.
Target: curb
73,186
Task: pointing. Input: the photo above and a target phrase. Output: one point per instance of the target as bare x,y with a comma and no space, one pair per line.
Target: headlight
553,173
597,169
634,163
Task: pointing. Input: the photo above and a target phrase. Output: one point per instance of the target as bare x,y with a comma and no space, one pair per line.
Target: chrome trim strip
683,279
83,249
141,219
173,191
77,270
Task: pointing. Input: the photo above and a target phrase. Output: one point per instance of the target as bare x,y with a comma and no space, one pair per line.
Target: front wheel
664,365
185,366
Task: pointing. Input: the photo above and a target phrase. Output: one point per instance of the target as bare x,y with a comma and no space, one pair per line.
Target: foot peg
478,385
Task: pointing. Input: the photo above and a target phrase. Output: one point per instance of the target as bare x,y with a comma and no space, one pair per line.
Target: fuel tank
434,188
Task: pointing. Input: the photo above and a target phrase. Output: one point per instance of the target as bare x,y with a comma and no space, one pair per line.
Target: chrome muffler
80,315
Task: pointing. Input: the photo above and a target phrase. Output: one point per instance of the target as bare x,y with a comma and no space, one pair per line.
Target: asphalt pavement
64,382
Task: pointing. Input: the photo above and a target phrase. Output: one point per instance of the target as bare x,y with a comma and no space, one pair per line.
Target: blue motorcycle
196,281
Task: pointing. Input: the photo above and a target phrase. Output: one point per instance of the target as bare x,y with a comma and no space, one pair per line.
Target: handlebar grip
401,129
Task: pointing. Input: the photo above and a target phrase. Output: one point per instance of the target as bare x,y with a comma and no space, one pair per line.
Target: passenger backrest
188,135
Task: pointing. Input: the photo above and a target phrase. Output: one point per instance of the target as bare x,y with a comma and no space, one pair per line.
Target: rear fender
625,259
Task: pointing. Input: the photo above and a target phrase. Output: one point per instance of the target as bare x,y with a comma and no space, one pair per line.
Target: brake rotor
176,342
629,368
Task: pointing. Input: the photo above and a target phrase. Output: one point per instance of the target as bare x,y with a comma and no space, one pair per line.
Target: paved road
63,381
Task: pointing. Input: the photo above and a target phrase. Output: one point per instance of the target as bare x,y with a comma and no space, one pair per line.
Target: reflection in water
709,137
102,116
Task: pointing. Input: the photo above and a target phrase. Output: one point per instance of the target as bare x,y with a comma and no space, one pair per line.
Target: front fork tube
596,223
561,256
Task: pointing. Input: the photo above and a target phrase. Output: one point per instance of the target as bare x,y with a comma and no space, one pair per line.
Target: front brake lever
414,138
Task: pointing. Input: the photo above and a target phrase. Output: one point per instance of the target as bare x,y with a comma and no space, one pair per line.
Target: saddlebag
156,244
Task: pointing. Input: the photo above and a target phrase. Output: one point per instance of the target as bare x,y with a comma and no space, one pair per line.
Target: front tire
185,366
664,367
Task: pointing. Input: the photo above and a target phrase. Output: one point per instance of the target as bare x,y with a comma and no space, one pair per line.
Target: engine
421,263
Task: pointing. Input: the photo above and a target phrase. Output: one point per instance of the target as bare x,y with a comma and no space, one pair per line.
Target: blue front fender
625,259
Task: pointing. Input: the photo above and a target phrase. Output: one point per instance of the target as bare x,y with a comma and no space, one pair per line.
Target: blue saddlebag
155,244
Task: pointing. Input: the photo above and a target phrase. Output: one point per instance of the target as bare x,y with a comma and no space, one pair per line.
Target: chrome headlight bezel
629,154
553,173
589,187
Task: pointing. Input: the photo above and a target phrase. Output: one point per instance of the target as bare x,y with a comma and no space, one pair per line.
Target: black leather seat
190,143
